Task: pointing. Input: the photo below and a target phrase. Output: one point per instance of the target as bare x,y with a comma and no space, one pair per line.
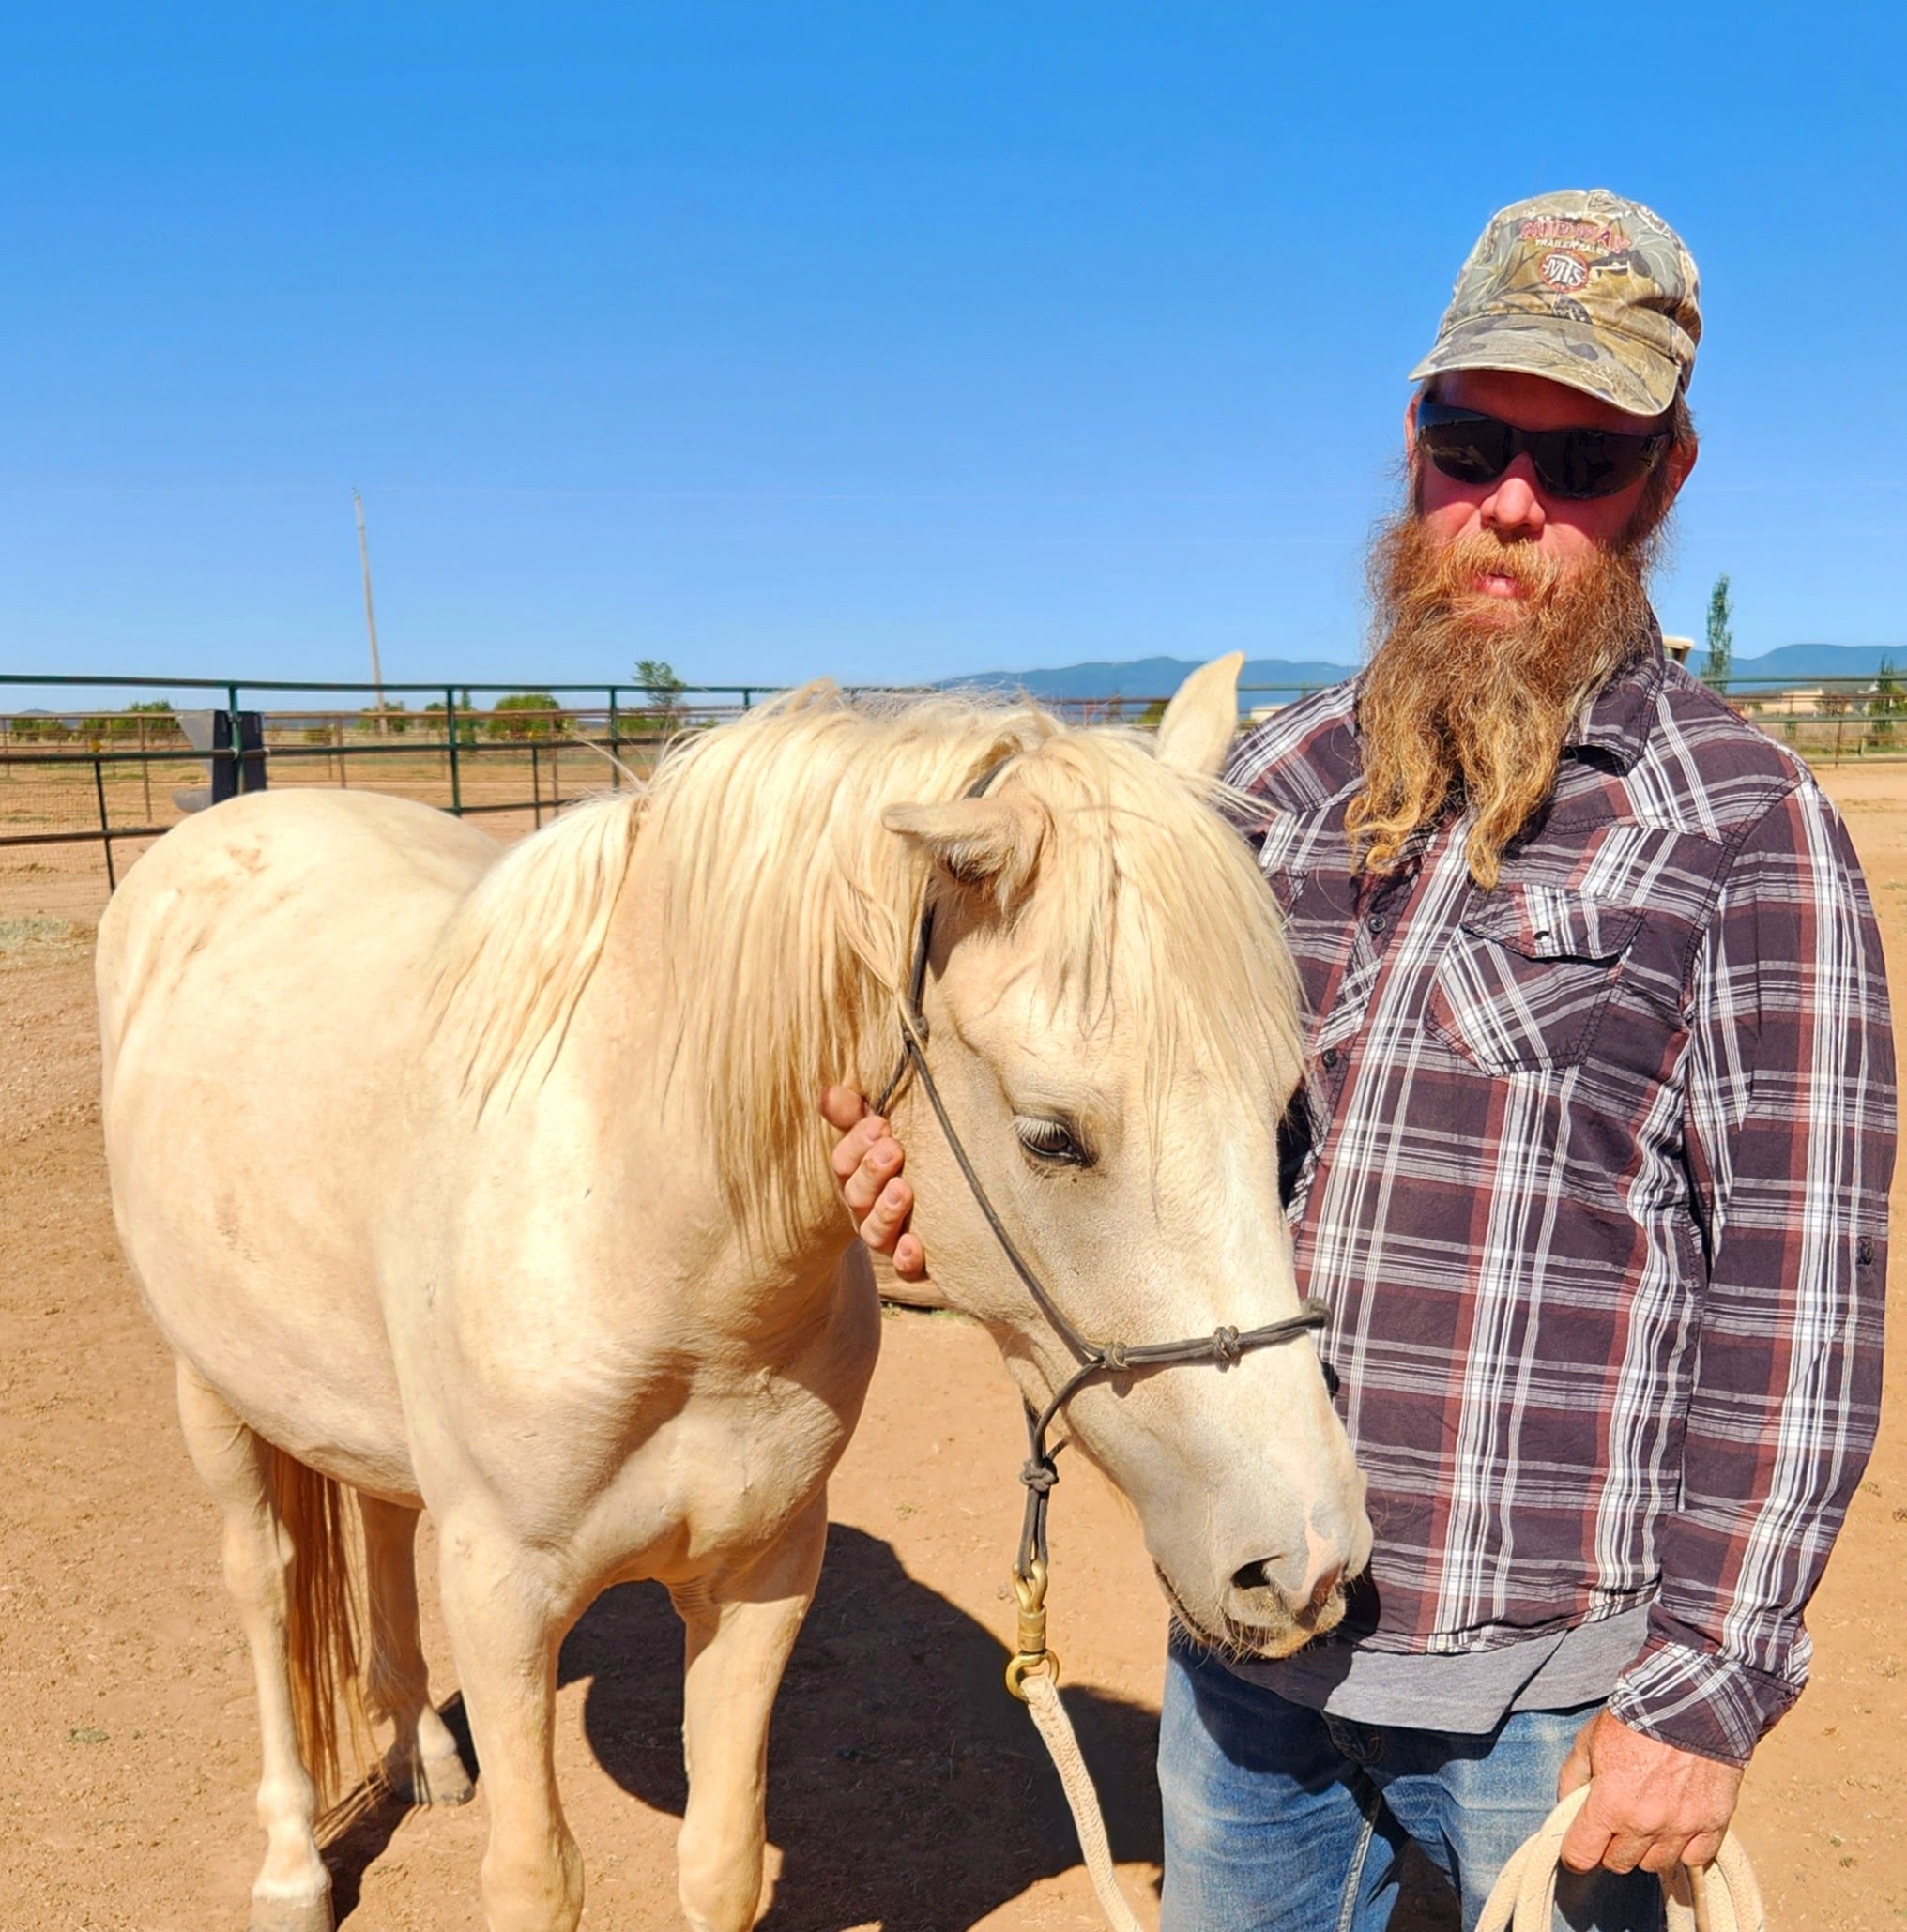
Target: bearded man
1590,1166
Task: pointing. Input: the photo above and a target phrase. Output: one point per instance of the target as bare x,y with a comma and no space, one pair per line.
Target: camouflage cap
1580,286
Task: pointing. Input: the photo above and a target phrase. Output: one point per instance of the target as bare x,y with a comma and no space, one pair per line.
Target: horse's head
1114,1027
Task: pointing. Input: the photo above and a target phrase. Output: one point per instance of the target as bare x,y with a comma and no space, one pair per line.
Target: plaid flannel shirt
1591,1170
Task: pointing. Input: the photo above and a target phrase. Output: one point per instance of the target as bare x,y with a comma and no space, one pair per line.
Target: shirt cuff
1699,1701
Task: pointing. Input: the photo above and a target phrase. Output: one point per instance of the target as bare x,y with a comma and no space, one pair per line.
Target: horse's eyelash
1053,1140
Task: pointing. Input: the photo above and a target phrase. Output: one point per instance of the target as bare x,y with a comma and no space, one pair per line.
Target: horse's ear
988,848
1202,719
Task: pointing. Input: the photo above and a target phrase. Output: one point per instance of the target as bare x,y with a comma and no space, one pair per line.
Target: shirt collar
1617,719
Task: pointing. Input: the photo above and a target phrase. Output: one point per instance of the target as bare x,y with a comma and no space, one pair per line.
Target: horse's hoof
428,1780
443,1781
292,1914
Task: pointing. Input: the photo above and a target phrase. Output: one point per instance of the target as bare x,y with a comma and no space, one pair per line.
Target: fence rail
85,785
83,789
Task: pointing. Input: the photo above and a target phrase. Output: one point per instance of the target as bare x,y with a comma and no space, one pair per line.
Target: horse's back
263,978
228,877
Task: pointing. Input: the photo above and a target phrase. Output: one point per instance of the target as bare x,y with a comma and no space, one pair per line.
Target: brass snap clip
1032,1653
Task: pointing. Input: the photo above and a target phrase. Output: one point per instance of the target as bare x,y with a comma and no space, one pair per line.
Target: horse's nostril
1290,1578
1327,1582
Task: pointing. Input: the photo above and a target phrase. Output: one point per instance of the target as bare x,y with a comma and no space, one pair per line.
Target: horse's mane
520,947
789,914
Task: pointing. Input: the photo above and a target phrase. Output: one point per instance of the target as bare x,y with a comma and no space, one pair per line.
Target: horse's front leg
739,1628
506,1620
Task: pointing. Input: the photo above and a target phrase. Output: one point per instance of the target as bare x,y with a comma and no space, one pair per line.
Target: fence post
535,786
615,744
105,823
235,731
450,725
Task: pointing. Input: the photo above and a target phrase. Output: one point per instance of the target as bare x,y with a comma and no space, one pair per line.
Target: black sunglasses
1472,448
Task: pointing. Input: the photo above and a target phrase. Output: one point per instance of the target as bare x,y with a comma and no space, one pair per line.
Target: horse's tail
322,1624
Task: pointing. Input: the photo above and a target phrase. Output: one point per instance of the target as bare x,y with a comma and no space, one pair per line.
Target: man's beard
1470,694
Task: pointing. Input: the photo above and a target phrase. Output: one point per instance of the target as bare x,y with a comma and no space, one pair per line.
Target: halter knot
1224,1347
1113,1357
1038,1475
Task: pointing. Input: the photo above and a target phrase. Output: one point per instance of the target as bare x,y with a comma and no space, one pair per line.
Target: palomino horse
492,1182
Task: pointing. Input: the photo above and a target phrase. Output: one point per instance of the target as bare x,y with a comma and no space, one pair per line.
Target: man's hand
867,1161
1651,1805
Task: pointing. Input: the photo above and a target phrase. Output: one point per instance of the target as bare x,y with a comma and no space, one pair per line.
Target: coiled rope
1720,1897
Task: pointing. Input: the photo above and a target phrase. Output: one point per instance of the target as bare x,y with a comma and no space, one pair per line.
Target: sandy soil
907,1792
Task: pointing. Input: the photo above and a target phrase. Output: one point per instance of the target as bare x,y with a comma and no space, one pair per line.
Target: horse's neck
718,1042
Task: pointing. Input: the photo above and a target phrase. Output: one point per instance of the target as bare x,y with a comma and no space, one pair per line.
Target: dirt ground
907,1792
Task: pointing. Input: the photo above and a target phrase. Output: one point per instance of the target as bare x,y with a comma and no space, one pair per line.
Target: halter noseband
1223,1346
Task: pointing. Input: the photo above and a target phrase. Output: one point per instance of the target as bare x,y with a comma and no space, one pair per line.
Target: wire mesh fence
95,770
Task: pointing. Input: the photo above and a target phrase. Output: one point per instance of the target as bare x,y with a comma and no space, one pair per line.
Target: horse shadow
905,1788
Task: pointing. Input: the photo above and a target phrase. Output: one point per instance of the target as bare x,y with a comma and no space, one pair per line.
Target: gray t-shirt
1471,1694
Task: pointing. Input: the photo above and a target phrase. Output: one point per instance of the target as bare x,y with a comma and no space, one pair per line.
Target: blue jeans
1281,1820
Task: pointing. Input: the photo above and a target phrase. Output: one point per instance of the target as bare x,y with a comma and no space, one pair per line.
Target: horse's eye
1055,1142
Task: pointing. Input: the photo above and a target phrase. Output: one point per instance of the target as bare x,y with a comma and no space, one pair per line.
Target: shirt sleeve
1790,1129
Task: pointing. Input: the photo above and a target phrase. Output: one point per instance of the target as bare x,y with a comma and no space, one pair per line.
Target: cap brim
1624,373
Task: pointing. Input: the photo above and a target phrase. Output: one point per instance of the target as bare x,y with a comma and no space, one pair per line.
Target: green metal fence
99,767
93,768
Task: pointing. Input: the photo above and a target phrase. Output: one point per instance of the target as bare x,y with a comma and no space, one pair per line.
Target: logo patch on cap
1562,270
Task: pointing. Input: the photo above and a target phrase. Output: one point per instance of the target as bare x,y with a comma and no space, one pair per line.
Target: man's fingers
1585,1841
1625,1850
841,1107
1663,1854
867,1161
851,1149
1575,1766
1702,1849
888,1216
879,1165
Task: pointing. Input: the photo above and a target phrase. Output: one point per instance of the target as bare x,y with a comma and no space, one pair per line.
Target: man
1590,1165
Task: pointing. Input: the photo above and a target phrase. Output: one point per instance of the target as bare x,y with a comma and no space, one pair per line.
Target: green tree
1886,702
658,681
1721,637
523,714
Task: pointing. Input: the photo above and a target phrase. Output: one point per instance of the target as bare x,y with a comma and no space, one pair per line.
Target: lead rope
1719,1897
1041,1696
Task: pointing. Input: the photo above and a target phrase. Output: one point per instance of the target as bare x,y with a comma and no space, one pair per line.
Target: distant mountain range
1804,663
1144,679
1154,677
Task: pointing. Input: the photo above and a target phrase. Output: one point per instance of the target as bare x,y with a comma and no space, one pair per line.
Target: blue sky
883,342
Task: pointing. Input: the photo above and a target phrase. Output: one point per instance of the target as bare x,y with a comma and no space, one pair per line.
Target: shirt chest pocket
1527,977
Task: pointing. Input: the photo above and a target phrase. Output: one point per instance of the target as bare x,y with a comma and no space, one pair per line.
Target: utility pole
370,616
